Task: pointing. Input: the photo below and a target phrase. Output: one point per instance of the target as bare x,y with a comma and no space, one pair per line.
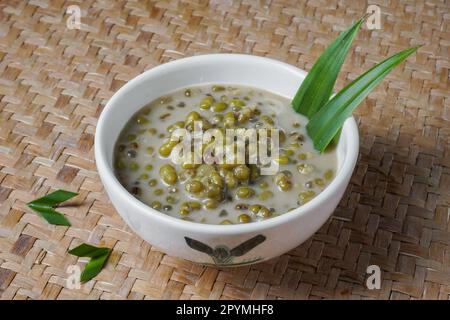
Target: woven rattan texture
55,81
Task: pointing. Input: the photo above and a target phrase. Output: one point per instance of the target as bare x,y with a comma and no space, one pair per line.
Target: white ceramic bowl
217,244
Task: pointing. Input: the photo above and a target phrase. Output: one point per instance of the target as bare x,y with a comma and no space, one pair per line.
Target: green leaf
98,256
94,267
54,198
44,206
51,215
324,125
318,85
87,250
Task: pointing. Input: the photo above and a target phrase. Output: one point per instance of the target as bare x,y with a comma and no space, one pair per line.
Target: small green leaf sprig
98,256
45,206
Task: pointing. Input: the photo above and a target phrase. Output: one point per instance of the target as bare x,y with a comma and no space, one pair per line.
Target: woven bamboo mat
54,82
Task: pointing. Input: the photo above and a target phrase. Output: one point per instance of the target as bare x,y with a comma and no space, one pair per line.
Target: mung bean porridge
220,193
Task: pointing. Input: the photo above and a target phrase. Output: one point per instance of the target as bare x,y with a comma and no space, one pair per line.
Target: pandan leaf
324,124
317,87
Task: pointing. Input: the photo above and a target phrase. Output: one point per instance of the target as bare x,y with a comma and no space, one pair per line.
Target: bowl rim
349,134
